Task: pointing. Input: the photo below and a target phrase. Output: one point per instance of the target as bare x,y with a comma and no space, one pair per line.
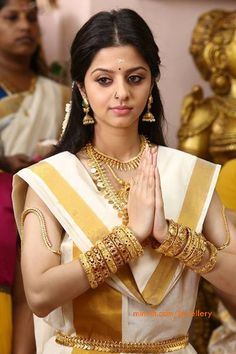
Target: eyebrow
112,71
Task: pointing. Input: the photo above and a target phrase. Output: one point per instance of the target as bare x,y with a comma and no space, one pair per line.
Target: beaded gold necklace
97,161
131,164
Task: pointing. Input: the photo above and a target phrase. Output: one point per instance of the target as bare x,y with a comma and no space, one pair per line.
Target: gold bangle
101,268
129,233
121,247
107,256
210,264
43,228
198,253
175,241
127,243
113,251
227,242
88,270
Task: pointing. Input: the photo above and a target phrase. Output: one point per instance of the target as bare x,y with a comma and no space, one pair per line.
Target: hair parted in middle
111,29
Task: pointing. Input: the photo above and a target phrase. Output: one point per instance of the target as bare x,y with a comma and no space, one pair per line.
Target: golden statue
208,125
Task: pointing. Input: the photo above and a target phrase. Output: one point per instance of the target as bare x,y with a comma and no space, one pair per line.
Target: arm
48,283
222,277
22,318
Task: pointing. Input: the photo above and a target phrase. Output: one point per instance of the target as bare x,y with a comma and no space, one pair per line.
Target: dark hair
38,63
109,29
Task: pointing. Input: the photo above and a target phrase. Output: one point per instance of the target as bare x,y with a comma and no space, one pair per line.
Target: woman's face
117,85
19,30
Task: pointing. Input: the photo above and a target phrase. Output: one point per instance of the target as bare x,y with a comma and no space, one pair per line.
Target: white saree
30,117
153,298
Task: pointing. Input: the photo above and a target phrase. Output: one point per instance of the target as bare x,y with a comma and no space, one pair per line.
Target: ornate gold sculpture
208,125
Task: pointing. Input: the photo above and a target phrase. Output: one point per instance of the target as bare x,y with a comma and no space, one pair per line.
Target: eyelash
133,80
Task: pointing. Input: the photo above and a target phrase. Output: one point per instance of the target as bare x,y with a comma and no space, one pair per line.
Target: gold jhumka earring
148,116
86,108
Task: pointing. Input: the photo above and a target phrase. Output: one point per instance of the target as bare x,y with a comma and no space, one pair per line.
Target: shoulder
49,82
176,160
58,161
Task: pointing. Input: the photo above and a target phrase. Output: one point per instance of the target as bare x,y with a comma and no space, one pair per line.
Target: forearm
23,340
55,287
23,330
223,275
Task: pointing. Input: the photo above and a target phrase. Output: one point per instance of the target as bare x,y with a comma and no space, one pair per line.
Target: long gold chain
115,163
118,199
123,192
105,187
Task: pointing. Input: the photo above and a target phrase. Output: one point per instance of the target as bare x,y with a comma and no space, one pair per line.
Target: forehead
121,56
20,5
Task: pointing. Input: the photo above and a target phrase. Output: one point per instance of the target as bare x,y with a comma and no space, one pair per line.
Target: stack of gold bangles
104,259
121,246
189,247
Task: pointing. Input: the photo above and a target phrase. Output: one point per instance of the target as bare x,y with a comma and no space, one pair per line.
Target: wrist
163,233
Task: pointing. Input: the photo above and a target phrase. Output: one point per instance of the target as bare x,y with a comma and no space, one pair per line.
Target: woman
24,122
100,261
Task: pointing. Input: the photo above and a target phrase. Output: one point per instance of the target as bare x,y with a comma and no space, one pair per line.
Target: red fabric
8,232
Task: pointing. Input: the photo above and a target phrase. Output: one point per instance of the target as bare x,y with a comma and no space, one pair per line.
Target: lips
25,40
121,110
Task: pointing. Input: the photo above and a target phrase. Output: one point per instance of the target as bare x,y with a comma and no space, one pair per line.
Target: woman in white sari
113,223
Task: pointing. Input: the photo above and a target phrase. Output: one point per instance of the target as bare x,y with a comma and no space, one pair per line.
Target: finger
158,192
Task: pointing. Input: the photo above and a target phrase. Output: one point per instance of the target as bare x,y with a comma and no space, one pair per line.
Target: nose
121,90
23,22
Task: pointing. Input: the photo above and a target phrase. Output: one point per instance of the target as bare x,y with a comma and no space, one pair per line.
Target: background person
31,110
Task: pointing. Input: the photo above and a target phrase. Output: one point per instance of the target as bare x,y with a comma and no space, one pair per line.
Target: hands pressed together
145,203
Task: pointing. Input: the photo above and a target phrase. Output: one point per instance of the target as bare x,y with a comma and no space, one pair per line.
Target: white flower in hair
66,118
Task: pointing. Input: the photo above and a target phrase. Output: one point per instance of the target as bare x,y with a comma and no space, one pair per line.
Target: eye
32,16
104,81
12,17
135,79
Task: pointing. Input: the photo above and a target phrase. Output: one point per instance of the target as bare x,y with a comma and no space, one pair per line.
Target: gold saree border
10,104
98,313
81,214
190,213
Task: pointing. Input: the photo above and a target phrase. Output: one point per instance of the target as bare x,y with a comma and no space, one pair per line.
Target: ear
81,89
152,84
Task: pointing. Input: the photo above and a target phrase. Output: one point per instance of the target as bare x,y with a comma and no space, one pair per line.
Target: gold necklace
104,185
120,165
123,192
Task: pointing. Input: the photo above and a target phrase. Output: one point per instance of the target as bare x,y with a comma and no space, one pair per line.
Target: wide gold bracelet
43,227
88,271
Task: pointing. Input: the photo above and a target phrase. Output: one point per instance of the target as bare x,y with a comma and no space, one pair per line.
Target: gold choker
131,164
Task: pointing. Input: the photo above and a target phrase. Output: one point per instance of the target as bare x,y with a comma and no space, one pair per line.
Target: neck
13,65
120,144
